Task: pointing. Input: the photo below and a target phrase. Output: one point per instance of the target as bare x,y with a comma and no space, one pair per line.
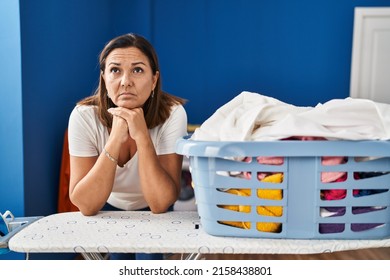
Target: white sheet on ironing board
255,117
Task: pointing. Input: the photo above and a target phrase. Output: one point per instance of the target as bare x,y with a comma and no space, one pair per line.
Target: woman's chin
128,104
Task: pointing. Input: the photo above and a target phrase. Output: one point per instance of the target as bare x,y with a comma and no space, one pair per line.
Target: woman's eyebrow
133,64
136,63
115,63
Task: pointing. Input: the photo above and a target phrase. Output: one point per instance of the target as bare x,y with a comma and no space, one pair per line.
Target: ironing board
143,231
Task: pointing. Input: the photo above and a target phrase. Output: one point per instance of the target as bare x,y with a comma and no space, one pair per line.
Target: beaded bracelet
109,156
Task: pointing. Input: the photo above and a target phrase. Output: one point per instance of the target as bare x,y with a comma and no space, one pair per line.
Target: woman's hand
133,119
119,129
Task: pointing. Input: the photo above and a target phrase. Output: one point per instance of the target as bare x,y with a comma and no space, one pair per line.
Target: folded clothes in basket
340,211
326,177
267,210
340,194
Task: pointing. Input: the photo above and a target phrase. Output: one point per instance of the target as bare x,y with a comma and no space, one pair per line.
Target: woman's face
128,77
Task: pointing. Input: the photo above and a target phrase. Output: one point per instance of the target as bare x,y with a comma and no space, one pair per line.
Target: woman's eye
114,70
138,70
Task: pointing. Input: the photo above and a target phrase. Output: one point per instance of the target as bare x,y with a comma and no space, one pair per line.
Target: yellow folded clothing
275,211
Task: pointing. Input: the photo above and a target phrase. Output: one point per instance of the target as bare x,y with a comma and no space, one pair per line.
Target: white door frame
370,68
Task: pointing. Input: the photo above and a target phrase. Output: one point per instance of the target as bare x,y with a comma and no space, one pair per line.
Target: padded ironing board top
172,232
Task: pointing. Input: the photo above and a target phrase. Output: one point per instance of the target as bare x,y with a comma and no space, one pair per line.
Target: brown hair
156,108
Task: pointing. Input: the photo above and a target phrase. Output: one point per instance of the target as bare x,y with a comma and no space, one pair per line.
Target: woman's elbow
88,212
84,209
162,207
158,210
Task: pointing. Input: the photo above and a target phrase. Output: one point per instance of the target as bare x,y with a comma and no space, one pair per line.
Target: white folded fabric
255,117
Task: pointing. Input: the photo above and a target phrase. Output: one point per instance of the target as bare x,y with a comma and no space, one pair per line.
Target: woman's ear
155,79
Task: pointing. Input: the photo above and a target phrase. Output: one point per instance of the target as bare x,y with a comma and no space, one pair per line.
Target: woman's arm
91,182
89,186
92,178
160,177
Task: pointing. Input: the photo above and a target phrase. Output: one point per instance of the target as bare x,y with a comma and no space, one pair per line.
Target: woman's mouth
127,94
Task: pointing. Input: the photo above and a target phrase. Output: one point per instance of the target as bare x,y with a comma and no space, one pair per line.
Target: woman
122,138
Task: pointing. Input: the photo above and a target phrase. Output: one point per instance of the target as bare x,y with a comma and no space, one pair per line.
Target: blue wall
209,50
60,45
11,134
296,51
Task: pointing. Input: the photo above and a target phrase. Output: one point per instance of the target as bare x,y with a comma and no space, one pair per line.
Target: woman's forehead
131,54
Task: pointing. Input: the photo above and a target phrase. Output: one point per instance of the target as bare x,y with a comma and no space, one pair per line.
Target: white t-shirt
87,137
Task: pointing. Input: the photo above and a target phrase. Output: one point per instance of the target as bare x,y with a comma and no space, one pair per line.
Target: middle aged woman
122,138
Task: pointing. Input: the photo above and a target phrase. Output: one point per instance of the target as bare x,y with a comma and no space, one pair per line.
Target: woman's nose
126,80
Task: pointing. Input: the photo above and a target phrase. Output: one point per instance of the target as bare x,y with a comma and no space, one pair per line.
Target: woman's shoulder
84,111
178,116
178,109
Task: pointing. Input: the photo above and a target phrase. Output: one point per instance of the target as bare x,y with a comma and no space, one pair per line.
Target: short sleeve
82,131
173,129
